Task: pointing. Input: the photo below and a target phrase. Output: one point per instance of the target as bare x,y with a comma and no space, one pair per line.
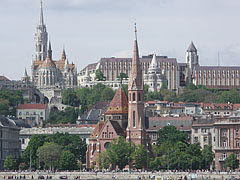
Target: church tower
192,57
136,131
191,61
41,38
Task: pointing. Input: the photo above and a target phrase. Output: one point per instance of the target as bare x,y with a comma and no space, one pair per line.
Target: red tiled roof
4,78
219,106
97,130
119,104
170,118
236,107
32,106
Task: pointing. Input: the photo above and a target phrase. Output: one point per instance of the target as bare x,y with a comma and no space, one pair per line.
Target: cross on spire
135,30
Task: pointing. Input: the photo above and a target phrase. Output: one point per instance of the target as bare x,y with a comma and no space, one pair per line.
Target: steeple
25,73
41,38
192,48
154,63
63,55
50,50
41,21
136,70
25,77
136,131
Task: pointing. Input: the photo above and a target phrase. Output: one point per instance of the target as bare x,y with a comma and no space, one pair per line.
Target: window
27,113
139,97
224,143
134,99
237,144
154,137
224,155
129,96
41,113
195,139
237,132
224,132
20,113
134,121
205,139
196,130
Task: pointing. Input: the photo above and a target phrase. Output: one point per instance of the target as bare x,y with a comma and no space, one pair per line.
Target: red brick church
124,117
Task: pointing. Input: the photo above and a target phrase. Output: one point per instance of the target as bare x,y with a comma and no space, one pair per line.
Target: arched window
134,120
134,98
139,97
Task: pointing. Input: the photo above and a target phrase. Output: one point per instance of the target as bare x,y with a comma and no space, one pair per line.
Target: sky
92,29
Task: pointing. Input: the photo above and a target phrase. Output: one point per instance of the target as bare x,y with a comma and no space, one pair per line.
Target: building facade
9,140
35,114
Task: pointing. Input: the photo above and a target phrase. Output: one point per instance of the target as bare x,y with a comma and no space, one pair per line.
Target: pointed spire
135,30
25,73
136,70
50,50
41,21
154,63
192,48
63,54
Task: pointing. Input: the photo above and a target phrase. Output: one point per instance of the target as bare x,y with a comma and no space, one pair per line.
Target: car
40,177
63,177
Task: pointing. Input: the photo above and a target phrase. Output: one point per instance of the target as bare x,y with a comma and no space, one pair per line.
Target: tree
67,161
99,75
208,156
68,116
35,142
69,97
50,154
232,162
120,152
172,135
107,94
10,163
140,157
231,96
125,88
82,94
103,160
122,76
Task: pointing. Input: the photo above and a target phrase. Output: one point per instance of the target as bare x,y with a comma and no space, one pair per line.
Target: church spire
136,70
41,37
41,21
64,55
50,50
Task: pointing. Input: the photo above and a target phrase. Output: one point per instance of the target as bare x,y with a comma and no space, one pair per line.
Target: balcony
221,159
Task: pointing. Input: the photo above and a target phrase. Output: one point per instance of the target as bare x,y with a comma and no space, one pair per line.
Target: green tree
99,75
68,116
122,76
35,142
207,157
232,162
82,94
50,154
103,160
120,152
172,135
231,96
69,97
140,157
67,161
10,163
107,94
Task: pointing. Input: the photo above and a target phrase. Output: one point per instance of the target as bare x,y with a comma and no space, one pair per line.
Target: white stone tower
41,38
191,61
192,57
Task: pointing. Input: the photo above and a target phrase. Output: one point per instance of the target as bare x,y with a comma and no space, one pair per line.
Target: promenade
120,175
